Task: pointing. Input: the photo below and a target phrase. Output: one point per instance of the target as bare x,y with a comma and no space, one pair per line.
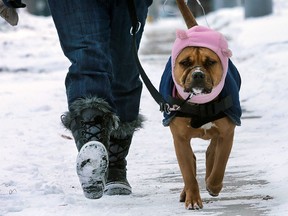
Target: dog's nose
198,75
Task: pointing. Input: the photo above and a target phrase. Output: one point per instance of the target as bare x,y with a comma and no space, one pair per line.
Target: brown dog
198,70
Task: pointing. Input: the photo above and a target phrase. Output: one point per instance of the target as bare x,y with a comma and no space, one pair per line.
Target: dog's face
198,70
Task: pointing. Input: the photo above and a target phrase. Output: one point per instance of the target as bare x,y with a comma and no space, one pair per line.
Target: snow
37,158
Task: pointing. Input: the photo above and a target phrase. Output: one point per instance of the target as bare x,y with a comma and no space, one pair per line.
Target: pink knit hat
199,36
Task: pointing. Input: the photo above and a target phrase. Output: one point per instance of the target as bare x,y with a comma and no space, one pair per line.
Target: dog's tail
186,13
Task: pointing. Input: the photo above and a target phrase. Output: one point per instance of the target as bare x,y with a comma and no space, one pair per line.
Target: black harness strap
203,110
201,114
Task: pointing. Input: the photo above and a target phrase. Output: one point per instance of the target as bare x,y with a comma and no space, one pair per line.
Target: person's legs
102,84
84,32
126,88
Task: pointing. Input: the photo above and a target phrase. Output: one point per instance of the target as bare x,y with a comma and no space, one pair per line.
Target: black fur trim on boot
120,141
90,119
128,128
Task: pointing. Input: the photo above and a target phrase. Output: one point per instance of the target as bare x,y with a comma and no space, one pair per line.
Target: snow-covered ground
37,161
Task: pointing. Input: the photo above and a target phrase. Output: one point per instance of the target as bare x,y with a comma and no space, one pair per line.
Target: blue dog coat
231,88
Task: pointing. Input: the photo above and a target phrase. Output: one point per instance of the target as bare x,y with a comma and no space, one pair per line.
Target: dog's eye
209,63
186,63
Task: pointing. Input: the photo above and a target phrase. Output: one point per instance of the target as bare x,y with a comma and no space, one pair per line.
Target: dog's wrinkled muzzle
196,81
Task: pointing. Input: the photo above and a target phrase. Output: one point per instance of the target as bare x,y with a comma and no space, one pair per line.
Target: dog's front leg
187,163
217,156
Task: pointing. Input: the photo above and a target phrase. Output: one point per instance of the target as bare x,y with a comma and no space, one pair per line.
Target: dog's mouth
198,90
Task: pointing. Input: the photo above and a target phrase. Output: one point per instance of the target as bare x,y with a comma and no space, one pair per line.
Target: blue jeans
95,37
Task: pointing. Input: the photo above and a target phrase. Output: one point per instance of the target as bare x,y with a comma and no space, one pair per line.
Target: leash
181,107
164,105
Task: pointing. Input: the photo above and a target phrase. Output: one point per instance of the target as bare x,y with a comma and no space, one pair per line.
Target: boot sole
92,165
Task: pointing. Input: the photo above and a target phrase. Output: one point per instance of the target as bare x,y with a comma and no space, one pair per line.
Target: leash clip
132,31
168,109
175,107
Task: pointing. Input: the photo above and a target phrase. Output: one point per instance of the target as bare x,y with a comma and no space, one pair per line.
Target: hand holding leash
8,10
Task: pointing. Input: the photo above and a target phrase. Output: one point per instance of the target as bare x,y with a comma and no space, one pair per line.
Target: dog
200,75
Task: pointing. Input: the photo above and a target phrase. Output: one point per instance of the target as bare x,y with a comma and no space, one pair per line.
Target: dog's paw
213,190
193,204
183,196
211,193
192,201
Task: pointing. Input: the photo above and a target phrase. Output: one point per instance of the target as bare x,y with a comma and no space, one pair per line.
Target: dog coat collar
200,36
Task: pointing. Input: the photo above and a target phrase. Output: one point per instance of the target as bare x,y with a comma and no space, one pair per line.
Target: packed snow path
37,158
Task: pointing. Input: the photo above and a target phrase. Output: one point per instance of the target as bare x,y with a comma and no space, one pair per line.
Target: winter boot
91,123
120,141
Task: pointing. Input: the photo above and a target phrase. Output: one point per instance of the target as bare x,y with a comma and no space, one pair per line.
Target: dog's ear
181,34
186,13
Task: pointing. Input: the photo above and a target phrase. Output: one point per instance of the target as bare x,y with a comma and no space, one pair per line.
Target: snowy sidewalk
38,165
37,161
